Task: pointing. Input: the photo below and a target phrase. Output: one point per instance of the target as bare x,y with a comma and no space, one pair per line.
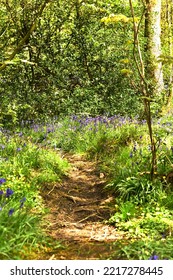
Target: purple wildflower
134,148
1,192
10,212
154,257
2,180
9,192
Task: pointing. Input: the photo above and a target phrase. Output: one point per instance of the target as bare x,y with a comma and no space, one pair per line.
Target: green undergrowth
120,146
147,230
25,169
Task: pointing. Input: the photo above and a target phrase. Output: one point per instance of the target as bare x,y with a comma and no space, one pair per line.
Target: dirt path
78,210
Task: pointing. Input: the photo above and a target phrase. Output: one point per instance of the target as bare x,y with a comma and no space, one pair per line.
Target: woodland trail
79,208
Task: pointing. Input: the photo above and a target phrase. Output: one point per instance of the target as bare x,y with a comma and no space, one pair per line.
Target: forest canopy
73,56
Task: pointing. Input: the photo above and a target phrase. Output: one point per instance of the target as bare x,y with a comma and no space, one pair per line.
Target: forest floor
79,207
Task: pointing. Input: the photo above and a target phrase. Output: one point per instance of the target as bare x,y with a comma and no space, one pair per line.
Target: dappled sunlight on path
79,207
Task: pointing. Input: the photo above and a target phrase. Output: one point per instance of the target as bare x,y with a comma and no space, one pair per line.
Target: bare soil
79,207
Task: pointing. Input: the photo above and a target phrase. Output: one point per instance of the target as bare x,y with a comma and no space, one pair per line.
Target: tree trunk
154,74
170,42
149,78
26,37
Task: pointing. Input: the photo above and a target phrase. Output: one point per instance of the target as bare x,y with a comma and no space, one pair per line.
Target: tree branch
26,37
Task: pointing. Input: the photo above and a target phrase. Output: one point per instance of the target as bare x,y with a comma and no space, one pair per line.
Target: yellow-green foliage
125,61
115,19
126,71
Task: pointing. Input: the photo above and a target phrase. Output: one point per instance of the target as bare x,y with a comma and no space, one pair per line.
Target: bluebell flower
9,192
2,180
74,117
154,257
131,155
1,192
19,149
48,130
10,212
135,148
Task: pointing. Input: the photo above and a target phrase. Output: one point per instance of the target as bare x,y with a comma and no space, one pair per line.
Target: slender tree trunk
145,88
154,74
170,45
